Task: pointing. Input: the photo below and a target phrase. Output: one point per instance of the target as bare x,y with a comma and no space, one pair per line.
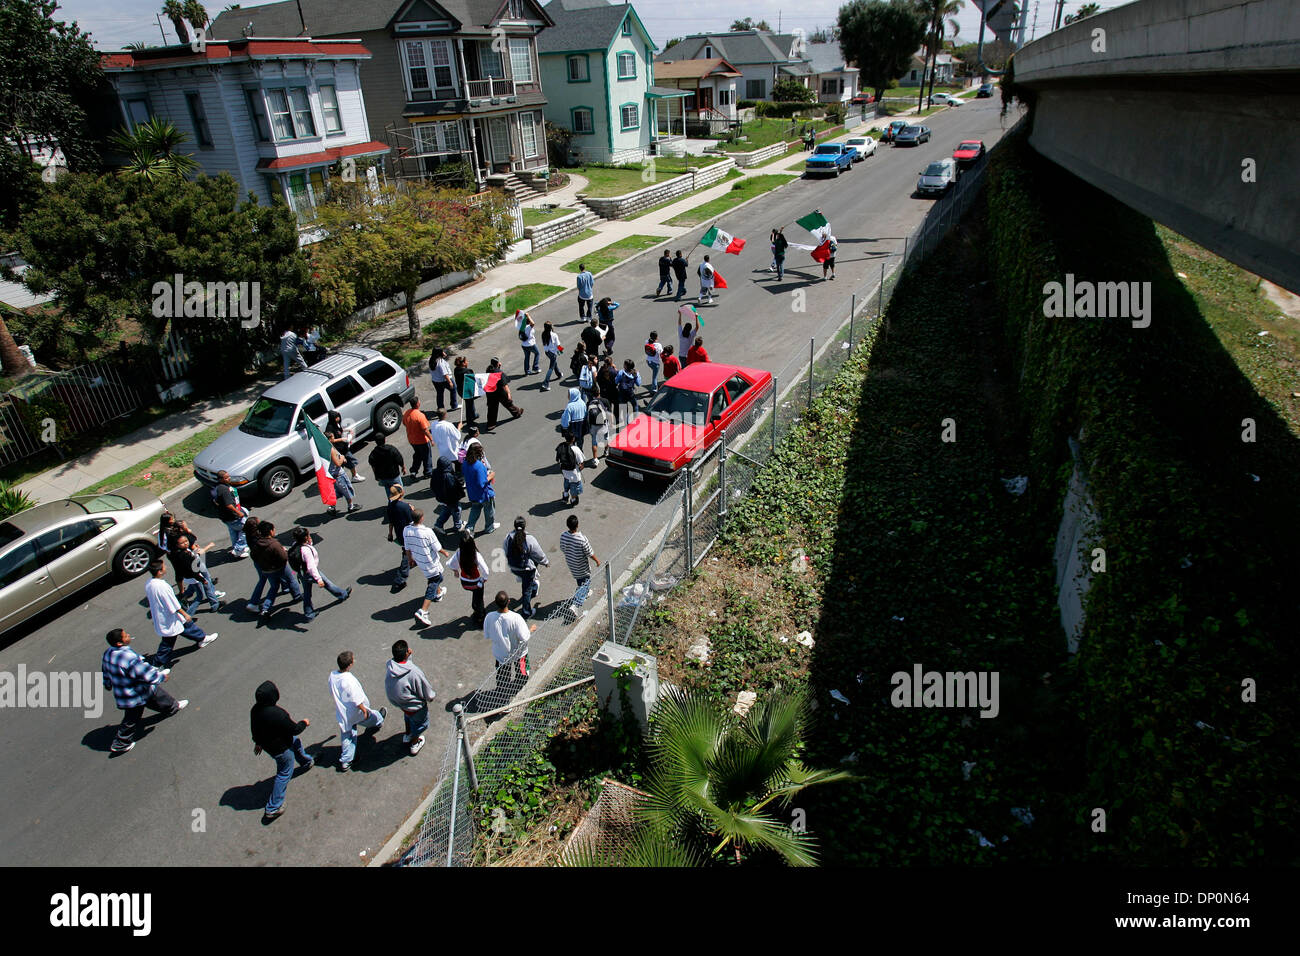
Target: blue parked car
830,158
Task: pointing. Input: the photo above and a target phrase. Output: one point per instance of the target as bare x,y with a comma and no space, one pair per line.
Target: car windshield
857,141
827,150
97,503
268,418
969,146
934,169
679,405
8,534
910,130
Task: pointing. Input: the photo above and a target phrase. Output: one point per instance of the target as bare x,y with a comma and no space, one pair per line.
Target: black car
912,136
985,91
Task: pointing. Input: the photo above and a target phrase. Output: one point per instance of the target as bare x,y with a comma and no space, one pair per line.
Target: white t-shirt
164,608
706,274
441,371
528,329
507,631
554,347
420,540
349,698
658,350
446,438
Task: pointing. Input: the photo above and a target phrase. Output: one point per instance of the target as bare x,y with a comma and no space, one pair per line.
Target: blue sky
119,22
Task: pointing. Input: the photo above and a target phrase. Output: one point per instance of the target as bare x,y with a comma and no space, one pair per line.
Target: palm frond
799,778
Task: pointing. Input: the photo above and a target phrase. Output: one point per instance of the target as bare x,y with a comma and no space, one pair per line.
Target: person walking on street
342,484
289,354
523,556
448,489
665,274
686,331
397,516
653,360
461,372
275,733
679,271
446,436
192,569
697,353
421,548
705,271
305,561
341,438
578,361
592,337
136,684
170,620
569,457
500,396
573,419
509,633
232,513
169,529
829,264
771,238
387,464
598,415
672,365
440,375
420,437
605,313
627,380
352,708
586,284
607,385
272,563
587,378
472,570
527,330
577,554
408,689
471,438
552,347
478,488
779,245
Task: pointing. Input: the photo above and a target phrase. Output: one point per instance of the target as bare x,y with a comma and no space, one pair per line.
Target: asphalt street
192,790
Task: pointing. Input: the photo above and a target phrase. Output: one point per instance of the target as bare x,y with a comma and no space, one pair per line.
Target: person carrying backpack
587,378
598,427
448,489
523,556
626,381
528,340
607,385
569,457
653,353
605,312
305,561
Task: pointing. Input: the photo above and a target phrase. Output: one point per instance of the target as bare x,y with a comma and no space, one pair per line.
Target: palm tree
174,10
12,361
939,14
713,779
1087,10
151,150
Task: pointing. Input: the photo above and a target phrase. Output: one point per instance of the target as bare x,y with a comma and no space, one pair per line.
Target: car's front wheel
133,560
388,417
277,481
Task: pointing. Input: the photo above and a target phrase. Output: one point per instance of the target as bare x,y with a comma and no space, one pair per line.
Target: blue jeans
573,488
488,507
654,376
348,737
780,267
308,583
417,722
448,511
203,590
283,771
431,589
450,389
665,283
584,589
282,580
528,580
166,644
404,566
422,459
584,307
553,365
531,350
236,531
681,288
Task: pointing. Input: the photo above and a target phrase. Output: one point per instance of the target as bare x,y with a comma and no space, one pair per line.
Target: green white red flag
321,451
715,238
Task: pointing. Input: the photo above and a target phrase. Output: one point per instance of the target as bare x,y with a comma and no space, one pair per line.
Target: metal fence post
810,372
722,482
464,740
880,301
853,310
905,252
455,782
775,391
609,601
690,518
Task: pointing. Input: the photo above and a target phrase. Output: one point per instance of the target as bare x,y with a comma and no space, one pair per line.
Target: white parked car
865,145
945,99
938,177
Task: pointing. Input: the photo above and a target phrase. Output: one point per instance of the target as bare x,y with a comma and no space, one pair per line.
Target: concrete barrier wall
760,156
422,291
620,207
556,230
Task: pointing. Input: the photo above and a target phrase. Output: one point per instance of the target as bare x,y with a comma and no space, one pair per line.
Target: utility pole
161,31
1060,9
1033,31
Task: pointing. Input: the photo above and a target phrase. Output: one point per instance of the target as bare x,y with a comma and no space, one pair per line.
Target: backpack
595,414
566,459
296,561
523,333
650,349
626,385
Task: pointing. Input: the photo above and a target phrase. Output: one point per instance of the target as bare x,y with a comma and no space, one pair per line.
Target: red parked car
686,417
968,151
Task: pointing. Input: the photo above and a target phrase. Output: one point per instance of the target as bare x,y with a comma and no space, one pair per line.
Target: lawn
740,192
619,180
765,132
169,468
453,329
731,174
535,216
613,253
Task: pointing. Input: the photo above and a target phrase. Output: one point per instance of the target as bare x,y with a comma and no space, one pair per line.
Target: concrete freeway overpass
1186,110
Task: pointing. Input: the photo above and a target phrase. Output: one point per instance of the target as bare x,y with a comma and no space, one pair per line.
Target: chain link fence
509,718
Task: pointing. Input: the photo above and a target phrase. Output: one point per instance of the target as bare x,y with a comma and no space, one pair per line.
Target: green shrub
13,501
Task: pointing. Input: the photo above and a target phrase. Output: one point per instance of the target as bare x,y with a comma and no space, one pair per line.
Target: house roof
335,17
692,69
581,25
232,51
333,154
827,58
741,47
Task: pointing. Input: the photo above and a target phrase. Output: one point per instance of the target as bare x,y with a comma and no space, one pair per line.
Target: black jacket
591,339
273,728
665,264
446,485
679,267
385,461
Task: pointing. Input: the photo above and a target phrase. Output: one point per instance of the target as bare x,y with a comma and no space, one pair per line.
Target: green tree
824,34
49,81
151,151
101,243
1087,10
749,24
789,90
995,54
392,239
938,14
672,43
183,12
880,39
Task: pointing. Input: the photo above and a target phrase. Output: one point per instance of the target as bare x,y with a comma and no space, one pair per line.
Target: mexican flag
321,451
715,238
822,252
816,223
480,384
718,281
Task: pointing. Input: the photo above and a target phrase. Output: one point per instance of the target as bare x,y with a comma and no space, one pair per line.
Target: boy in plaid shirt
136,684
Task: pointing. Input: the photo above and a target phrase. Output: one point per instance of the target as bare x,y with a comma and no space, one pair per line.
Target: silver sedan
51,551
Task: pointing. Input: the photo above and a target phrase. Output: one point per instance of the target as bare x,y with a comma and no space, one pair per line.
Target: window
725,97
438,137
281,119
578,70
736,386
627,66
756,89
343,391
376,373
828,88
708,52
314,408
19,563
450,133
137,111
690,102
528,134
489,61
583,120
257,113
202,135
627,26
719,404
417,72
521,61
303,123
329,107
57,542
630,116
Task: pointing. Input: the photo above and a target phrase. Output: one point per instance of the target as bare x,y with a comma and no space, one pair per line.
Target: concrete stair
523,190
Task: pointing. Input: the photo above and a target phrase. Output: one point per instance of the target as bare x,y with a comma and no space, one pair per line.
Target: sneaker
415,747
358,478
353,507
255,608
219,594
165,671
545,388
240,554
118,751
208,640
423,617
344,767
309,616
308,765
442,592
331,510
462,526
564,499
271,815
182,704
346,594
494,527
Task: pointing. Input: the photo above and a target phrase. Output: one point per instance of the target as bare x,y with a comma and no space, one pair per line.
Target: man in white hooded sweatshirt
352,707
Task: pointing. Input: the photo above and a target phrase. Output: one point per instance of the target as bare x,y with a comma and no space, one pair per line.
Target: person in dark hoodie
448,489
407,687
275,732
